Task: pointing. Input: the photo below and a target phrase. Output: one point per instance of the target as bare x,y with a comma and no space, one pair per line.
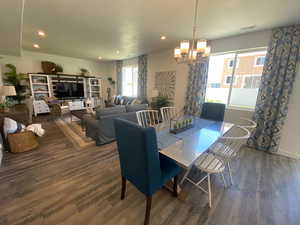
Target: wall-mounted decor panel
165,83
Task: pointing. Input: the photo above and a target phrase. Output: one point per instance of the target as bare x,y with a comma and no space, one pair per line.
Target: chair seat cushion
169,168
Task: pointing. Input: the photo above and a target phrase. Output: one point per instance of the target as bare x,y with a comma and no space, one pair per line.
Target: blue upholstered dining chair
140,161
213,111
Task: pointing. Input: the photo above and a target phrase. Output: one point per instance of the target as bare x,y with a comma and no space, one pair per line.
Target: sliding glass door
234,79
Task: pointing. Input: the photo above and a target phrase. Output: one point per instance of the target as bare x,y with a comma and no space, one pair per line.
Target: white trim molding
288,154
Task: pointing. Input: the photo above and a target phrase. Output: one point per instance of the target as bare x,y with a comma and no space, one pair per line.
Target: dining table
187,146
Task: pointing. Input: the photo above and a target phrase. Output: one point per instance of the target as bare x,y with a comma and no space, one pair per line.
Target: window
129,81
229,79
239,86
252,81
260,60
231,63
214,85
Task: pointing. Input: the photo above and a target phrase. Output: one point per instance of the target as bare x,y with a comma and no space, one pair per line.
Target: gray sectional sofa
101,128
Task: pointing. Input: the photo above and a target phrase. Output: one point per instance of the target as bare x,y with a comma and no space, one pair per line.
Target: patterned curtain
119,67
196,88
276,88
142,77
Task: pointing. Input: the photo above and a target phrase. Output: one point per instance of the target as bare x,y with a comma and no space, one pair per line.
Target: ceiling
92,28
11,27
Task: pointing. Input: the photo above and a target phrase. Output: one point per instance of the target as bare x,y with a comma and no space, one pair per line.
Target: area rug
73,131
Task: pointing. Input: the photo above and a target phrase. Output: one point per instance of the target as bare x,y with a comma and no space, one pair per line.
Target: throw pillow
117,100
136,102
11,126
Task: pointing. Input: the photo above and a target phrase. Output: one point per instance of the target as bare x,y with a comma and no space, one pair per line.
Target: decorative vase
48,67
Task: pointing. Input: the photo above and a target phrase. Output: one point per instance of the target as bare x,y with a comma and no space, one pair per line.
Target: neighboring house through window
236,87
231,63
251,81
228,80
260,60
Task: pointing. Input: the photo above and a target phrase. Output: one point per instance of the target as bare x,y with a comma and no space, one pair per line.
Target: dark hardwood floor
59,185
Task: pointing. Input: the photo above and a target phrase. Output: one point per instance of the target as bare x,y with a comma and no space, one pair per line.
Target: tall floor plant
13,78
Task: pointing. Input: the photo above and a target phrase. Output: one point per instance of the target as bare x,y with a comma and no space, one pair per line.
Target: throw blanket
36,128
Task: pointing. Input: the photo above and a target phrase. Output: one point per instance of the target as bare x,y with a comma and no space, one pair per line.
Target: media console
74,89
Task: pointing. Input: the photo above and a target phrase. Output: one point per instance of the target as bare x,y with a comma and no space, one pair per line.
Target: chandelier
191,51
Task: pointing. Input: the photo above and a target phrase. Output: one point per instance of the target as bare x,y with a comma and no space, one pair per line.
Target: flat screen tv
69,90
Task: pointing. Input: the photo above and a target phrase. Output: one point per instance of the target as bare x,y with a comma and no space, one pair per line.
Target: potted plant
4,106
59,69
13,78
159,102
84,72
111,81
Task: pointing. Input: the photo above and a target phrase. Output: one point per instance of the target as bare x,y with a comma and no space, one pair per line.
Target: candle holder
180,125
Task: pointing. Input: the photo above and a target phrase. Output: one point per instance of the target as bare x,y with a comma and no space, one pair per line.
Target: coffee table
81,114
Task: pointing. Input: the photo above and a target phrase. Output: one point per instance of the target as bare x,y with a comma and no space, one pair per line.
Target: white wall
289,143
164,61
112,72
30,62
241,42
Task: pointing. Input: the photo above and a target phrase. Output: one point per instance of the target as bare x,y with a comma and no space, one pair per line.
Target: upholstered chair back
139,156
213,111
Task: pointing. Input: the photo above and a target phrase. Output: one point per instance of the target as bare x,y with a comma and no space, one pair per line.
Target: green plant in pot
84,72
59,68
13,78
159,102
4,106
111,81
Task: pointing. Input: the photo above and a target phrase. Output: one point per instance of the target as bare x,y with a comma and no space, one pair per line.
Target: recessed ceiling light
36,46
99,57
41,33
163,38
118,52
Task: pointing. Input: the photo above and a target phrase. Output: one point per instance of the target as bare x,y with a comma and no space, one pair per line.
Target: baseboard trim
289,154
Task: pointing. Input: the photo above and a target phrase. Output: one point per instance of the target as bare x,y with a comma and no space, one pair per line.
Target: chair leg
148,209
230,175
123,188
209,190
223,178
185,175
175,183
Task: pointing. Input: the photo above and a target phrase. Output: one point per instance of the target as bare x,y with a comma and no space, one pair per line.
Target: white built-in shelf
94,90
41,92
34,84
40,84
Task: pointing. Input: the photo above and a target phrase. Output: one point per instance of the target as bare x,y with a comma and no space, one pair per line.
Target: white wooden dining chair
209,164
148,118
168,113
227,147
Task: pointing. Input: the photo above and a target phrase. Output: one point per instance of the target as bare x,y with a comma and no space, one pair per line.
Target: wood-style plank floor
59,185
